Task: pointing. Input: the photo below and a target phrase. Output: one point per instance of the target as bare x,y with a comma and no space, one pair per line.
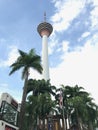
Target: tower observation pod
45,29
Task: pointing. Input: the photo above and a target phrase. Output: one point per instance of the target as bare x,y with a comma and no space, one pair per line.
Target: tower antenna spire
44,16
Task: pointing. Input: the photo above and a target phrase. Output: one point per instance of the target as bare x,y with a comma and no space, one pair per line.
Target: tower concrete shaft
45,29
45,60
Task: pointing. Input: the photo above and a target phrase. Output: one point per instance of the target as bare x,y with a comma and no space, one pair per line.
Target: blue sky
73,45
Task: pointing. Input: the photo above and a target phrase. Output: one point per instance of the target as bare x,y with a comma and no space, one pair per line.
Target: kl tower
45,29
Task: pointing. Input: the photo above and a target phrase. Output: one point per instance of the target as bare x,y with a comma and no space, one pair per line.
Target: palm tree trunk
22,110
78,120
79,123
90,126
69,120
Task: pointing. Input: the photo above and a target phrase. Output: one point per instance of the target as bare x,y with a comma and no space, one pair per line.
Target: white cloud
62,18
34,74
94,15
52,43
65,13
85,34
79,67
12,56
65,46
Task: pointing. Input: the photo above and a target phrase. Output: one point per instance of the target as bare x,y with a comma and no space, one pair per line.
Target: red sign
9,128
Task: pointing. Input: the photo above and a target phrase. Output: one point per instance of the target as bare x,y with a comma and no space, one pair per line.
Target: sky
72,46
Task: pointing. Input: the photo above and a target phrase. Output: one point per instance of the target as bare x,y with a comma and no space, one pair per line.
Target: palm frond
22,53
32,52
15,67
30,60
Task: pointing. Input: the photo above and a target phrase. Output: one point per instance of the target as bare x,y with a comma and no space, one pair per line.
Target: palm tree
26,61
80,107
31,112
39,103
37,109
73,103
77,104
91,113
40,86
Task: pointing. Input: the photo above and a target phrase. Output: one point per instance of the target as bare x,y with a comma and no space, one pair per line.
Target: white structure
45,29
